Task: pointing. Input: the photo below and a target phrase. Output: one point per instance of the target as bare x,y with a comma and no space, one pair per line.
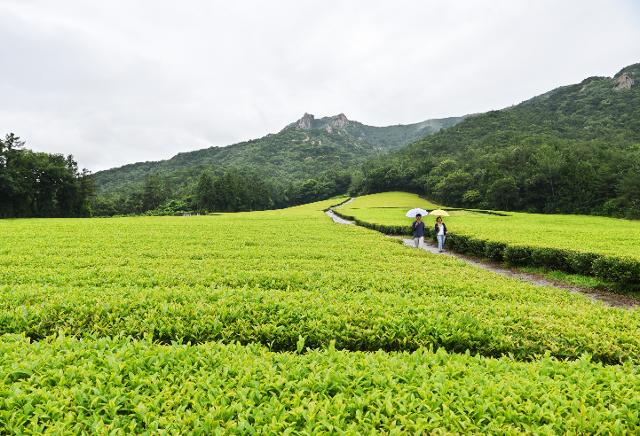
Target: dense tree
223,190
454,185
205,193
503,193
41,184
300,151
154,192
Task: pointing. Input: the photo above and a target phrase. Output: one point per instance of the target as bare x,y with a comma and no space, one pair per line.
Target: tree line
35,184
547,175
221,190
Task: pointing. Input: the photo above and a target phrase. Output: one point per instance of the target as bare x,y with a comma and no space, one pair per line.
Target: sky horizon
116,82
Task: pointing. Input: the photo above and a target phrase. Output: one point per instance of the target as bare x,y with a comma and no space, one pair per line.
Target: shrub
581,263
622,270
475,247
550,257
494,250
517,255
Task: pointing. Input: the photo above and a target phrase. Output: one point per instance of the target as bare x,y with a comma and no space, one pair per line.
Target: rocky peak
306,122
624,81
329,124
338,121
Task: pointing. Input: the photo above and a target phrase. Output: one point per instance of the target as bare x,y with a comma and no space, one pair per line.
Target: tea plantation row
123,386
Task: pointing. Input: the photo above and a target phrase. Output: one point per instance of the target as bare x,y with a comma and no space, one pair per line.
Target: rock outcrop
337,122
306,122
624,81
329,124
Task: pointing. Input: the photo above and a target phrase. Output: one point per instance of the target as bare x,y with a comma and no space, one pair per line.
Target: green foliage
257,323
579,280
154,192
172,207
503,193
230,191
205,192
41,184
274,277
398,200
471,197
120,385
518,255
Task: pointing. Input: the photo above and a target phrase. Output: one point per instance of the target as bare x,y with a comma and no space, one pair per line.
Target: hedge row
382,228
622,270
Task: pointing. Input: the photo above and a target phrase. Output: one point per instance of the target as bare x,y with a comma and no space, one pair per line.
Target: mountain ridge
317,144
573,149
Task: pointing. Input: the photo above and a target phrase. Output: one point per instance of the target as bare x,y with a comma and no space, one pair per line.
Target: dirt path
344,204
609,298
336,218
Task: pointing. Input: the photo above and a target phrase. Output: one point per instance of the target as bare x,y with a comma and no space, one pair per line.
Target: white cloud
118,82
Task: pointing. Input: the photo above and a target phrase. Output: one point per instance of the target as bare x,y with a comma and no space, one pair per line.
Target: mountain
304,149
389,137
573,149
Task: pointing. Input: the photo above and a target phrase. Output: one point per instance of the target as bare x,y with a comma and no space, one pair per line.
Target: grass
578,280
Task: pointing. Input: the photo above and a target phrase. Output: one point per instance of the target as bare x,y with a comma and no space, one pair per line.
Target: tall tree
205,193
153,192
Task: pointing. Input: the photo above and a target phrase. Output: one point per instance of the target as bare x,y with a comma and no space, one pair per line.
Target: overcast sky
120,81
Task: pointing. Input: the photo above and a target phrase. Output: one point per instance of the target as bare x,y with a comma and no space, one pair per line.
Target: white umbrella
413,212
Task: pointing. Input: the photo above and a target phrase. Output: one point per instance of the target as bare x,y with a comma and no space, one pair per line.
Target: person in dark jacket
417,228
441,233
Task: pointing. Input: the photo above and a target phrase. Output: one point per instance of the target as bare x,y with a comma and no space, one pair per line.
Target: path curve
609,298
337,219
343,204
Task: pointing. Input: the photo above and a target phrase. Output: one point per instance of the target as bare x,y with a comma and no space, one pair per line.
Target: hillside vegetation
309,159
575,149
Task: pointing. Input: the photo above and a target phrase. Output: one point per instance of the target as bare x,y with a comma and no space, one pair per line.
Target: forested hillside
307,160
575,149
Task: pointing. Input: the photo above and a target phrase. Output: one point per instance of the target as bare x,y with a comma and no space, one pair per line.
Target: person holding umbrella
417,227
440,228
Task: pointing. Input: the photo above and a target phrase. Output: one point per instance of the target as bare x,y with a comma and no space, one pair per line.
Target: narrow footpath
610,298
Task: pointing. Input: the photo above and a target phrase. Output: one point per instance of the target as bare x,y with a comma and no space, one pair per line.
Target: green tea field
591,245
284,321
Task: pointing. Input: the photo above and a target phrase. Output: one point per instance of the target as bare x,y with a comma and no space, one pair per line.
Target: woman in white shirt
441,233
